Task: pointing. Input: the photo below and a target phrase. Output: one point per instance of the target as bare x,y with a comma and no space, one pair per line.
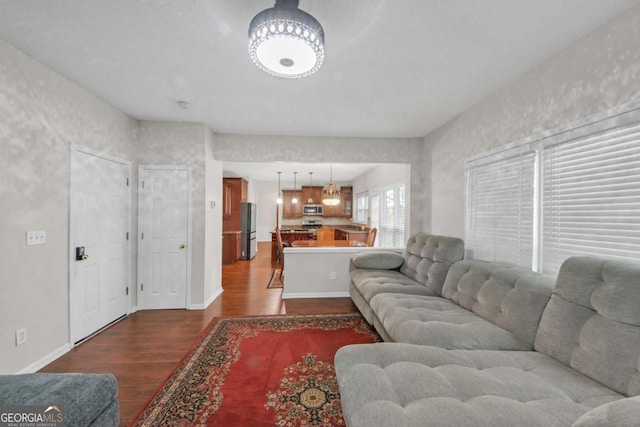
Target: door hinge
127,289
142,236
142,286
142,184
127,235
127,182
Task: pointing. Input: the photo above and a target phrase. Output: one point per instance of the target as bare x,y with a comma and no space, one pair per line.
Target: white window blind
362,207
391,233
500,208
591,197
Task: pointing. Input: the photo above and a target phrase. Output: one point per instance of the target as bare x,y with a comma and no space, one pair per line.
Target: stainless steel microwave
312,209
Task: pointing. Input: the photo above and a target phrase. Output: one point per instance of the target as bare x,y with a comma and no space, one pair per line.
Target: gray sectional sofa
499,346
83,399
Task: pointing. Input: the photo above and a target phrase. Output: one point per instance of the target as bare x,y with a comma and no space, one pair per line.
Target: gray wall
41,115
596,73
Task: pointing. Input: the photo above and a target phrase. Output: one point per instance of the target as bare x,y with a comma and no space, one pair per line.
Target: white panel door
164,237
99,217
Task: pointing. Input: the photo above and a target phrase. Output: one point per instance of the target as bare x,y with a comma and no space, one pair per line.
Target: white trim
334,249
208,302
315,295
44,361
71,250
141,169
134,308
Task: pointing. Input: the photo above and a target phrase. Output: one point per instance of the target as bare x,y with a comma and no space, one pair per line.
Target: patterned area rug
276,280
259,371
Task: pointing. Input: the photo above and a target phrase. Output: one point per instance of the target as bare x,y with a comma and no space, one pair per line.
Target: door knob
85,256
182,246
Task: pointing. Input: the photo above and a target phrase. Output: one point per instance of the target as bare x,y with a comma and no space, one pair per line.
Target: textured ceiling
392,69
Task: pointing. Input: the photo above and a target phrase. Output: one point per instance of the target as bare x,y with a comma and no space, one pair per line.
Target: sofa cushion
85,399
592,323
620,413
506,295
439,322
427,259
390,384
366,284
379,260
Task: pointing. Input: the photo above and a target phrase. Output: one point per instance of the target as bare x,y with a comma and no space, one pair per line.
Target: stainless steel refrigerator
248,228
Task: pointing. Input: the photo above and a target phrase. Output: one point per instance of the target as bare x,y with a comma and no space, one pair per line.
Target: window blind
500,208
362,207
591,197
391,233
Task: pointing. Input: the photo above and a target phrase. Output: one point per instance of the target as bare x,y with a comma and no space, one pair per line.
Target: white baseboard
133,309
208,302
315,295
41,363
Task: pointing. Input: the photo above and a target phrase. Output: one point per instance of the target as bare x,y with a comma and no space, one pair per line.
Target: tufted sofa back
427,259
592,322
506,295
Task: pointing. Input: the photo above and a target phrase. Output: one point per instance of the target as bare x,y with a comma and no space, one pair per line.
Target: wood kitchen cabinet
234,192
346,196
313,192
289,209
344,209
231,247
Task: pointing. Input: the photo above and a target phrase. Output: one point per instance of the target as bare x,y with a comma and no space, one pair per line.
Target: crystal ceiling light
285,41
331,193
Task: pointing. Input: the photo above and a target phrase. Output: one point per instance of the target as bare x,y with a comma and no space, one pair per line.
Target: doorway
99,213
164,237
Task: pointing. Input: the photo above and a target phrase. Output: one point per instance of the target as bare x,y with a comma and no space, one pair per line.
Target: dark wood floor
142,349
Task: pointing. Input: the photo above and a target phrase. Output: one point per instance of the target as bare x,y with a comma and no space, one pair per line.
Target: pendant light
310,199
294,200
331,193
279,199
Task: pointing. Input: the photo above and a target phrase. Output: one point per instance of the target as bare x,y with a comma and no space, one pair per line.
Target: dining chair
325,233
280,251
371,236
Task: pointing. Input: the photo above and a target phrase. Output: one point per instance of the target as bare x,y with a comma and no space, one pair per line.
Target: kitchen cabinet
289,209
313,192
348,234
346,196
231,247
343,209
234,192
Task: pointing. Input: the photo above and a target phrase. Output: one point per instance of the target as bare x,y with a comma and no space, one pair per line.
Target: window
576,192
500,205
362,207
591,197
391,233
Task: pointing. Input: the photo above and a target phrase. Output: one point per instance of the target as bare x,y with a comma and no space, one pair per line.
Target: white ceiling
392,69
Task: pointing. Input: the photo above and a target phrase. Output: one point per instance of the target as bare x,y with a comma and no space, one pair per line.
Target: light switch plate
36,238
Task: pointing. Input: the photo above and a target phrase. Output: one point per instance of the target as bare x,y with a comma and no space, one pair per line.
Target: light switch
36,237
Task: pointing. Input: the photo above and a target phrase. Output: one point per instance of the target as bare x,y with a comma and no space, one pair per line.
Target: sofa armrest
623,412
377,260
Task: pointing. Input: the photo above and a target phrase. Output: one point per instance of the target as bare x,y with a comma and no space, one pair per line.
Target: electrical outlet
332,276
36,238
21,336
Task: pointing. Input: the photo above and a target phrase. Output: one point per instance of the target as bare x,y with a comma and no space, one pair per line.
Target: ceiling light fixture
331,193
279,199
310,199
285,41
294,200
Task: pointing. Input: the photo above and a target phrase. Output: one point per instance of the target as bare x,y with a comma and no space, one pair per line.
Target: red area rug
259,371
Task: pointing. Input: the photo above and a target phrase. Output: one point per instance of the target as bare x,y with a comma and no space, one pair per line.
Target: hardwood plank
143,349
